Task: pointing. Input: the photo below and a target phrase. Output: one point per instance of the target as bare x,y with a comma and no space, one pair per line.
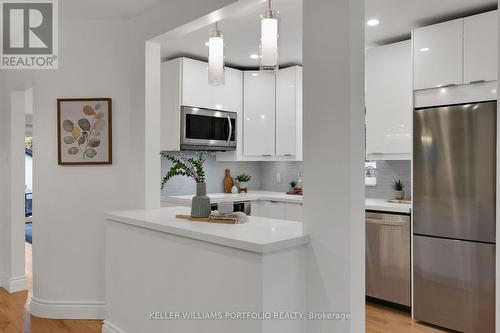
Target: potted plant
292,184
183,165
398,188
243,180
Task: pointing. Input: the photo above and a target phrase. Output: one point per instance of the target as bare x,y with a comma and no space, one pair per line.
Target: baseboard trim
67,310
15,284
107,327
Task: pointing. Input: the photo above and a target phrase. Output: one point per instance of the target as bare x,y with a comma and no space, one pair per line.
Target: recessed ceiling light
254,56
255,74
206,44
424,49
373,22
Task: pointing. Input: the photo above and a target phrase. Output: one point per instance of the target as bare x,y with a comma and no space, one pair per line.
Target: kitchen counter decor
243,180
398,188
191,166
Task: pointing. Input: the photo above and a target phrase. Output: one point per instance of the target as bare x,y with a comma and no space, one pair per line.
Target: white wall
12,272
4,235
69,201
334,200
97,59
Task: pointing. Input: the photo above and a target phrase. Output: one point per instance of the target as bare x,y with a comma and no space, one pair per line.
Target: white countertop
386,206
261,235
250,196
370,203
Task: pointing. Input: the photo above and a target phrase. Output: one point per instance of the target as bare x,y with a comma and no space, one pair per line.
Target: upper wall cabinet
272,117
481,47
388,102
438,56
185,82
461,51
197,92
289,112
259,100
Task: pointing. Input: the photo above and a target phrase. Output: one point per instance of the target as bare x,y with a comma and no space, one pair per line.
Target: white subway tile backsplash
264,177
386,173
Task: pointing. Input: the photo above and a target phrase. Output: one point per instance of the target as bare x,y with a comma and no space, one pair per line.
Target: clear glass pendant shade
216,66
269,41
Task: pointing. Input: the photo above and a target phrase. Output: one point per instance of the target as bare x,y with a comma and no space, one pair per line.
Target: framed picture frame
84,131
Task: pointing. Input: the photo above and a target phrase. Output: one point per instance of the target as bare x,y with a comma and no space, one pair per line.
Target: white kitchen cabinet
294,212
229,96
289,112
389,102
272,209
481,47
259,98
185,83
195,89
438,55
278,210
198,93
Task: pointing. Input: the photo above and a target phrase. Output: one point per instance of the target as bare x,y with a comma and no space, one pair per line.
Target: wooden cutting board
203,219
228,182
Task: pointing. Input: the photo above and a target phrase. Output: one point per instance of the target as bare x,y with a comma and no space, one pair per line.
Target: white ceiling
103,9
242,35
399,17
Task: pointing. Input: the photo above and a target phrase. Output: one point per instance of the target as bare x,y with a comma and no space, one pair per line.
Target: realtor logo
28,37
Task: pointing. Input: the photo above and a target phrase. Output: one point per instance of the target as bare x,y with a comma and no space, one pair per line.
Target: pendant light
269,40
216,70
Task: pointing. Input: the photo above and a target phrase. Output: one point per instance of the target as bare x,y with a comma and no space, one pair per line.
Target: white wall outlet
278,178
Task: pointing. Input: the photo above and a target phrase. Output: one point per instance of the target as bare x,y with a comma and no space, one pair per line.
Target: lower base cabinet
278,210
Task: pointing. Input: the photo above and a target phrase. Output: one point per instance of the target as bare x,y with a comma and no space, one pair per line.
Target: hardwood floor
14,317
382,319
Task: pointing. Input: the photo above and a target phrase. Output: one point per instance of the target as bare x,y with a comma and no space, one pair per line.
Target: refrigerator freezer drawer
388,257
454,284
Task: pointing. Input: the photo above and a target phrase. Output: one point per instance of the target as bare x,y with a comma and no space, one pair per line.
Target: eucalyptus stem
184,165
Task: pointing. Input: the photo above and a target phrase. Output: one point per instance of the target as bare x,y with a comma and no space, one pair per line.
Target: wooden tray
203,219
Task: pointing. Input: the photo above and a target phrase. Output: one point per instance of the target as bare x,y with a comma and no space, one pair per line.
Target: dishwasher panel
388,257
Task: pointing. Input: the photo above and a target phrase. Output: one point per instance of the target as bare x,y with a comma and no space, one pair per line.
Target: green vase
200,205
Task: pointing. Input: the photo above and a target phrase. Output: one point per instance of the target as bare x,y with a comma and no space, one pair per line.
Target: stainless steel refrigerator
454,182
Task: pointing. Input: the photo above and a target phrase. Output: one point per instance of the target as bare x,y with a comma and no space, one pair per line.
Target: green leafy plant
397,185
189,166
293,183
243,177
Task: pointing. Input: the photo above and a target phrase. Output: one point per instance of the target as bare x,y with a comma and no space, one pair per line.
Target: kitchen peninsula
176,267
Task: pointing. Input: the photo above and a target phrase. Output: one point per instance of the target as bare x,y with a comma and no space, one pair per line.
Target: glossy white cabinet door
288,111
278,210
259,112
294,212
481,47
438,55
229,96
273,209
389,101
195,88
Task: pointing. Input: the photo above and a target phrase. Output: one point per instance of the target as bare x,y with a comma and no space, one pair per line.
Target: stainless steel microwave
206,129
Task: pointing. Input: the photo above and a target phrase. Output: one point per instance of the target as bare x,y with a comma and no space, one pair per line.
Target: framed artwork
84,131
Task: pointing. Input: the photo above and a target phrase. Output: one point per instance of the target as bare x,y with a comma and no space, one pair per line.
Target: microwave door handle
230,130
